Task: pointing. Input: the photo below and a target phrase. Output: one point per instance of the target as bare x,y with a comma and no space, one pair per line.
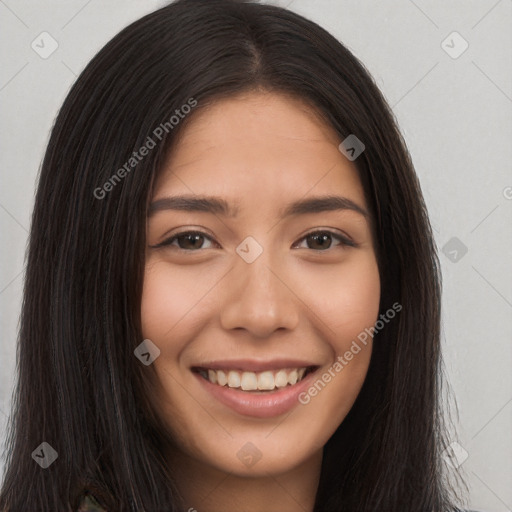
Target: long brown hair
79,386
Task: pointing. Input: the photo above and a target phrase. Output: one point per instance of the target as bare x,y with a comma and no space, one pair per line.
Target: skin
297,299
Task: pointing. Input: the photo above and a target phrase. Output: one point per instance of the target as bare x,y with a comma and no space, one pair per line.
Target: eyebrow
217,205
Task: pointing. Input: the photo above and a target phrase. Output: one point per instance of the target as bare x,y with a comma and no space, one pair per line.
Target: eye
322,240
187,241
194,240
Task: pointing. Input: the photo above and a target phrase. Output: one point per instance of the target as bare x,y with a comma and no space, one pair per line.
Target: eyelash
344,240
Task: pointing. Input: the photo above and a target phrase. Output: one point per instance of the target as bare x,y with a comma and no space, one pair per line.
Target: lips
255,388
253,365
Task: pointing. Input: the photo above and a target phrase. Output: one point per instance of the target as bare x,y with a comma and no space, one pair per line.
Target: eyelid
169,239
344,239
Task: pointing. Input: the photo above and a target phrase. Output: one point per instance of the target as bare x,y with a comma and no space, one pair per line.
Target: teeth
281,379
222,380
233,379
251,381
265,381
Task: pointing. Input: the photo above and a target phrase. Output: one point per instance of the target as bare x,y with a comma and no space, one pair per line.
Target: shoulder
90,504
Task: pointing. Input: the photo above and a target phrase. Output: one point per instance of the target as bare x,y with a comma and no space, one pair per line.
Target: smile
255,381
255,389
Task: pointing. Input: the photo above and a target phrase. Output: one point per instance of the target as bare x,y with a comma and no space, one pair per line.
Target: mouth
256,389
255,382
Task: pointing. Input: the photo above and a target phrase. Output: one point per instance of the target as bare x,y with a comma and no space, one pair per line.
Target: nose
259,298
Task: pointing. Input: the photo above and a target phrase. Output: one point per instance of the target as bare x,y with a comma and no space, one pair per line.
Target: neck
208,489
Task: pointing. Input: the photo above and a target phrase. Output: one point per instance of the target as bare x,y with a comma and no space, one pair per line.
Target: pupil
194,238
322,238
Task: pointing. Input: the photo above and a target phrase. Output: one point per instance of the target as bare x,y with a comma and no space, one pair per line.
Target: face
256,287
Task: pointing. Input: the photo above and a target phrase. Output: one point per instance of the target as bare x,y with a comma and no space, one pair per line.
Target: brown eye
186,241
190,241
322,240
319,241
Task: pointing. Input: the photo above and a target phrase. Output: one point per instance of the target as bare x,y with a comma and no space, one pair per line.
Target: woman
232,298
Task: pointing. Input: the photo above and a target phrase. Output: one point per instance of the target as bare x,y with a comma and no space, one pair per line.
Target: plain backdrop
446,70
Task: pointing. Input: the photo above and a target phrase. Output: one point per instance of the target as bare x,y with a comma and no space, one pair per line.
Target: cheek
160,306
346,298
347,301
171,303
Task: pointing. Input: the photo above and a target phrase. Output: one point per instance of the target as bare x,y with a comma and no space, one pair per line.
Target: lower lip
258,405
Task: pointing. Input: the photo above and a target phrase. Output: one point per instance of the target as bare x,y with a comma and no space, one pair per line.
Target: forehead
258,145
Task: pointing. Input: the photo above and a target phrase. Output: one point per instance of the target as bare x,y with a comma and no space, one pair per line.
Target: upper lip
251,365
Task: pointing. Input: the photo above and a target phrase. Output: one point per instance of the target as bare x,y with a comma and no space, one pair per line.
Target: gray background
455,114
